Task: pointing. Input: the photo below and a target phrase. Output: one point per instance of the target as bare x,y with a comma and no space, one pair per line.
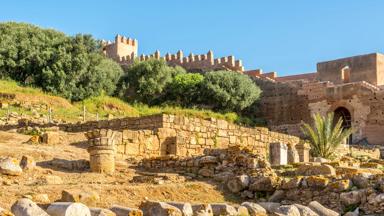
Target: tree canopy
70,66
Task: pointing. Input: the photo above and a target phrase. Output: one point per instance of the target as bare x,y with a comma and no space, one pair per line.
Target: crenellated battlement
124,51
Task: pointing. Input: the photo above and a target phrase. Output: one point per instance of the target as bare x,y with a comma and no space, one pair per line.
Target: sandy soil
113,189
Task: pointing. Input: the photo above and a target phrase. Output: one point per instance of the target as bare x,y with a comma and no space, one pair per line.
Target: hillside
32,101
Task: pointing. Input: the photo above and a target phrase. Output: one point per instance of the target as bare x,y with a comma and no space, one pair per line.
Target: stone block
278,153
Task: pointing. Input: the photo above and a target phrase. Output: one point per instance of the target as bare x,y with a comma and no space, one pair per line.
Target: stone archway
344,114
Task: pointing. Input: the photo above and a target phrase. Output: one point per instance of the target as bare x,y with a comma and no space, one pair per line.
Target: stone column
303,150
293,155
102,150
278,153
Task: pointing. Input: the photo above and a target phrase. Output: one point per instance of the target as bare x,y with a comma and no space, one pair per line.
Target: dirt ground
113,189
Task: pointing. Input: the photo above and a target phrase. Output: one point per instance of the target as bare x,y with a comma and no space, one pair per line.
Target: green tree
184,89
325,136
229,91
72,67
146,81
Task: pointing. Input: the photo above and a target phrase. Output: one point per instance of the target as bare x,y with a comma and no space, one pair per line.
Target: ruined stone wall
287,105
188,136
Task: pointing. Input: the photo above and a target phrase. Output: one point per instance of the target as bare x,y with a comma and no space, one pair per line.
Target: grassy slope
102,105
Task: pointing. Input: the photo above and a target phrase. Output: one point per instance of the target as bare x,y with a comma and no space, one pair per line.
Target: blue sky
288,37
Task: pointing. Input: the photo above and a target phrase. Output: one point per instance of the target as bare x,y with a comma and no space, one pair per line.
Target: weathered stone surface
361,180
277,196
320,159
287,210
315,169
238,183
202,210
321,210
317,181
206,172
25,207
68,209
102,212
223,209
124,211
185,208
10,166
242,210
278,153
270,207
340,185
27,163
40,198
264,184
159,208
305,211
254,209
89,198
352,197
292,183
208,160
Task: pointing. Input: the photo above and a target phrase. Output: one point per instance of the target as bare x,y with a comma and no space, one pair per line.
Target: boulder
68,209
219,209
26,207
305,211
352,197
315,169
124,211
10,166
27,163
340,185
354,213
361,180
208,160
254,209
40,198
267,183
185,208
287,210
321,210
52,180
317,181
159,209
102,212
242,211
320,160
277,196
270,207
206,172
292,183
89,198
202,210
238,183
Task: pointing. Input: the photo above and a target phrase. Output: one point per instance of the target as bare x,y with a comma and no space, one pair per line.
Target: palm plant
325,136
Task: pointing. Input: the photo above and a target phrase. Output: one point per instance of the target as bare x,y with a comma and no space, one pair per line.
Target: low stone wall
189,136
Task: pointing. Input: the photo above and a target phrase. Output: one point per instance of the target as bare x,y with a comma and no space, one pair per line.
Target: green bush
184,89
146,81
229,91
72,67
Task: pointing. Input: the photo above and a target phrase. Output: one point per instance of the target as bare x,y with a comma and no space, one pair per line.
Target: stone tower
123,48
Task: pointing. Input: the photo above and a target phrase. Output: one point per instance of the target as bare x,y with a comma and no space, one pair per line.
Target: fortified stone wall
287,105
124,51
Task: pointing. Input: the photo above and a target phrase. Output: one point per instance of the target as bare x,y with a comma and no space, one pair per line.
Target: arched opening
345,115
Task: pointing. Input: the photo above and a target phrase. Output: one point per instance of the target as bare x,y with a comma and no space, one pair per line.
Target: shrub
325,136
229,91
184,89
72,67
146,81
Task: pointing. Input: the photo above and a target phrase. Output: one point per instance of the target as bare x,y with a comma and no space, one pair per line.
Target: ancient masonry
170,135
350,87
125,51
